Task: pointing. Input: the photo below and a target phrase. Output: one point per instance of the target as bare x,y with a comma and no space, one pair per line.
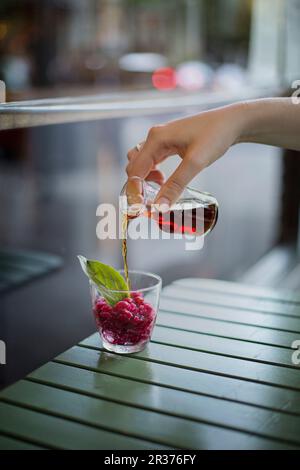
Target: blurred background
62,47
53,177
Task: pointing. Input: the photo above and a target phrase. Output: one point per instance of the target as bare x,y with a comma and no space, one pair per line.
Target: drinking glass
126,327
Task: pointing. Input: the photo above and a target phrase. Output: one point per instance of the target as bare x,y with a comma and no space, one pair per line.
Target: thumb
174,186
149,155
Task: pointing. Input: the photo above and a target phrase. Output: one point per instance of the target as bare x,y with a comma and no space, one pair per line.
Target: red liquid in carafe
185,217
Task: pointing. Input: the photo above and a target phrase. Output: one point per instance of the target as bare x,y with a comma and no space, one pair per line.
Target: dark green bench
218,374
20,267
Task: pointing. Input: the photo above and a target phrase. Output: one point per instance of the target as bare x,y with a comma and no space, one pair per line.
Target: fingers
154,175
157,176
157,147
133,153
134,191
172,189
142,162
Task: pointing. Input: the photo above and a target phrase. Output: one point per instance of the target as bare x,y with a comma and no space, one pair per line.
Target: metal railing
66,110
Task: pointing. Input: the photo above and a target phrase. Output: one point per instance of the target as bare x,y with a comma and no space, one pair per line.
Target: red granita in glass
129,322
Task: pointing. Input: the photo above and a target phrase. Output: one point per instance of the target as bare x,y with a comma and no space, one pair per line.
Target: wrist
258,120
244,119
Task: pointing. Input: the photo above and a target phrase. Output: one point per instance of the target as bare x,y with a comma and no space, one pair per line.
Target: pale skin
201,139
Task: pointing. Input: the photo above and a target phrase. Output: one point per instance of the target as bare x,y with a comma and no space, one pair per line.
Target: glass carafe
195,213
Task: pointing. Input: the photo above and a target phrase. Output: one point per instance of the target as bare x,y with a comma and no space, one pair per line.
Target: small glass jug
195,213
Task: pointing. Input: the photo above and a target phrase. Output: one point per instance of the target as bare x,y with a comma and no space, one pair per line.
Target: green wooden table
217,375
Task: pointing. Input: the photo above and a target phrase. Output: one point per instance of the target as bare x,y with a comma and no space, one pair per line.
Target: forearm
272,121
201,139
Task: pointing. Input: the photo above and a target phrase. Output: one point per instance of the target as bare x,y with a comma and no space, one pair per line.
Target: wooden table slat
8,443
223,346
205,362
260,320
58,433
176,403
148,394
170,431
233,302
218,374
165,375
238,289
213,327
160,429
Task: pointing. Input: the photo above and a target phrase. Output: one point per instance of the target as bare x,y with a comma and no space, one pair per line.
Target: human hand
199,140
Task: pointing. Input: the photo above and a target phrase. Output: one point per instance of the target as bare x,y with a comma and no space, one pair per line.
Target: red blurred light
164,78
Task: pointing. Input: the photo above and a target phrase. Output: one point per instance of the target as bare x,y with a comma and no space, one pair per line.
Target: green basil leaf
106,278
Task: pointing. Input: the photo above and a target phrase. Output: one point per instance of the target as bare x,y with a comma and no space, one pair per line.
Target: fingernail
164,204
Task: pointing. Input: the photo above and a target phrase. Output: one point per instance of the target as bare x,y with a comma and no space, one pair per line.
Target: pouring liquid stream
125,221
187,217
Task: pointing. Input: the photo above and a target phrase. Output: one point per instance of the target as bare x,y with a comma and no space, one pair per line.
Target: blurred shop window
275,40
267,41
291,63
53,48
